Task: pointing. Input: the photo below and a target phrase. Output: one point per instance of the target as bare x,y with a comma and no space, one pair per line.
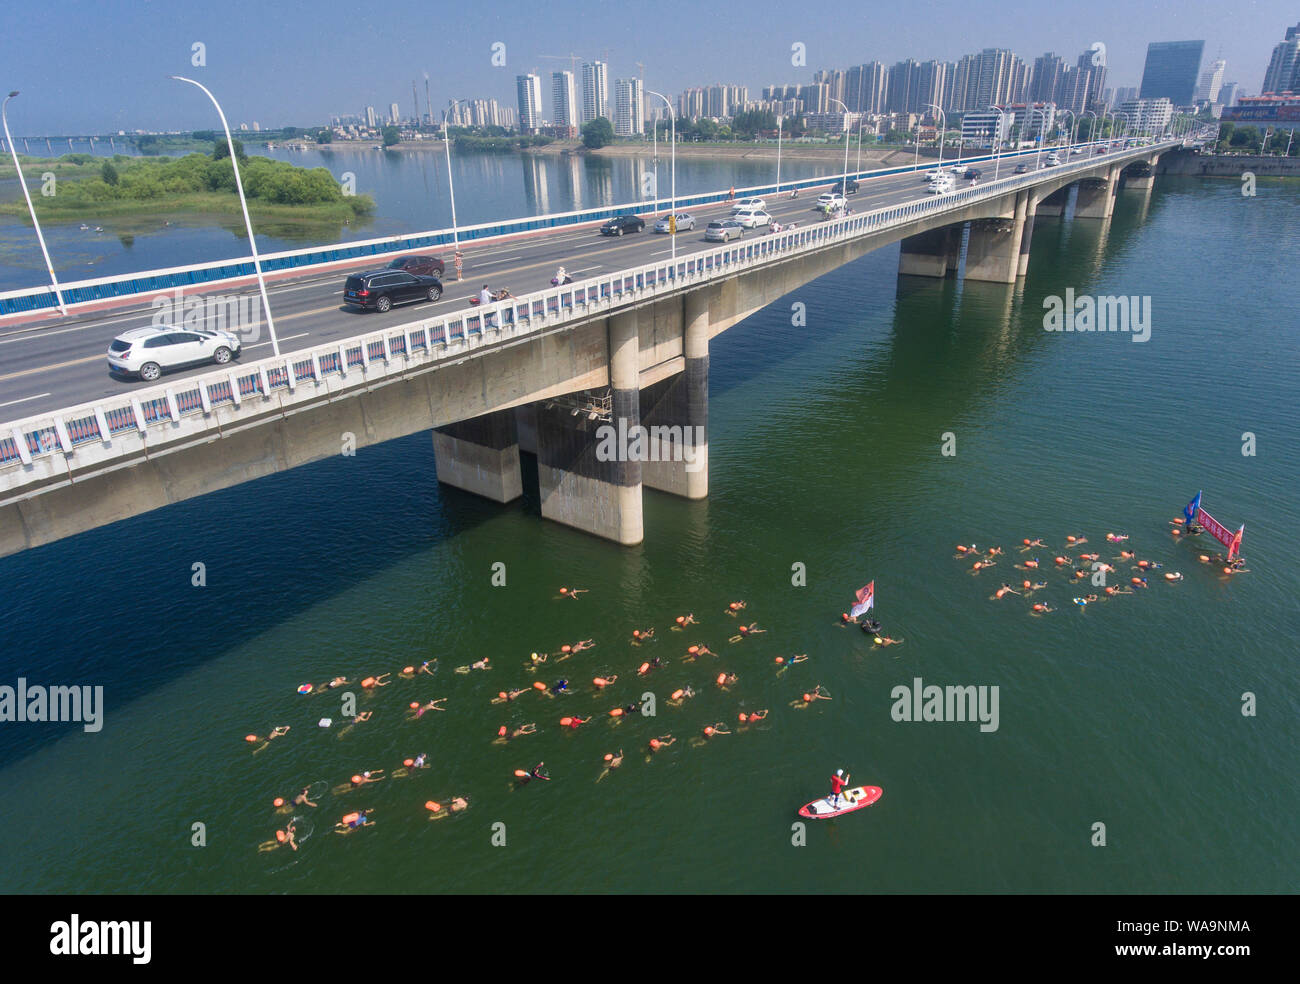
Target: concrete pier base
1054,204
481,455
581,483
930,254
1027,234
1096,197
993,249
675,413
1140,180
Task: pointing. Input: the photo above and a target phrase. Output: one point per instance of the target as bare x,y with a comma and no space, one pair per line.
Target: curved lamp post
54,281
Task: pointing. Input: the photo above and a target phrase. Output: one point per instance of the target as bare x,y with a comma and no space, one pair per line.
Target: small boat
850,800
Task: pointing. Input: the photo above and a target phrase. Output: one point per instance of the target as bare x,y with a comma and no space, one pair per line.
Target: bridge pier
1027,232
930,254
1096,197
993,248
481,455
581,484
675,413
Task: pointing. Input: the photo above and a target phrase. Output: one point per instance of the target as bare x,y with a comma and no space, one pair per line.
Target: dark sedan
379,290
422,266
620,224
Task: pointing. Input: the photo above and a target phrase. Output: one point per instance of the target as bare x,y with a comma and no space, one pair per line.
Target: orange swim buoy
279,835
681,619
565,722
566,649
609,756
643,668
433,806
616,712
693,650
520,773
250,737
408,669
807,698
415,705
1180,520
1038,607
1025,541
1026,584
349,817
742,718
408,762
564,590
1227,570
368,682
779,660
1204,559
709,731
1069,539
356,780
600,681
538,685
1060,560
502,694
1175,531
277,802
655,742
1136,580
501,731
676,695
1170,577
722,678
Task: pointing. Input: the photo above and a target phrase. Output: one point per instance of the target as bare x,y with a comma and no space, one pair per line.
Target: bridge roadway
54,363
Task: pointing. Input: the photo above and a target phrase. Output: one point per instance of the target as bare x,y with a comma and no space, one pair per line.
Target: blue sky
100,67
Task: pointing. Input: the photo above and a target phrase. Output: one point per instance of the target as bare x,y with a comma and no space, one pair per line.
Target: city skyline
67,91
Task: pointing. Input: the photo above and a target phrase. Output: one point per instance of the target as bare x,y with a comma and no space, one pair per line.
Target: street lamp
54,281
844,188
943,125
1091,133
997,130
780,121
1069,130
243,203
451,187
672,216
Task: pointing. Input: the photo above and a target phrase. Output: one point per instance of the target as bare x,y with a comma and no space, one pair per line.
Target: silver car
146,352
685,222
723,231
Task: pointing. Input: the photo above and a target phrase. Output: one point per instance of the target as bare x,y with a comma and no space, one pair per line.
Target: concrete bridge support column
584,472
1054,204
1027,232
993,249
1096,199
1140,180
681,405
481,455
930,254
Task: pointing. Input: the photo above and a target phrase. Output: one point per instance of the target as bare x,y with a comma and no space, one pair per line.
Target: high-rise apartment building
564,101
1211,81
629,108
1283,72
595,91
529,90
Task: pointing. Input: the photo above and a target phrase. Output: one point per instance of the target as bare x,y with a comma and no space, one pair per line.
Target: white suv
146,352
751,218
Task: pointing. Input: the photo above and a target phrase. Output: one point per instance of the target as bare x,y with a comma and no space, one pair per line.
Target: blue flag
1190,510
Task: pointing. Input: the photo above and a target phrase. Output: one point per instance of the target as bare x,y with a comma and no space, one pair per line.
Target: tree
221,150
392,136
109,173
324,136
597,133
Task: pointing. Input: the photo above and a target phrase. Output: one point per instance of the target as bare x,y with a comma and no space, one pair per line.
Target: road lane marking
287,338
24,399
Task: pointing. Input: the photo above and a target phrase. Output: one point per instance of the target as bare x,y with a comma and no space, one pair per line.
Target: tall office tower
815,97
904,87
1171,71
595,91
1229,94
629,108
393,114
1072,93
1207,89
932,78
1283,72
371,118
1046,83
564,101
1095,62
529,90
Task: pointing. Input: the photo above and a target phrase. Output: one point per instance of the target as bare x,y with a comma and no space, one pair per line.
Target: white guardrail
32,449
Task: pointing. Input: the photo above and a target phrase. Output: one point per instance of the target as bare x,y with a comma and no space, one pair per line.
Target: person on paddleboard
838,782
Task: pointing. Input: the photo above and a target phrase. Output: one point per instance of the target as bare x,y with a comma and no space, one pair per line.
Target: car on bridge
723,231
1022,169
829,201
972,174
751,218
748,203
379,290
1053,160
685,221
620,224
942,186
959,168
424,266
850,187
148,352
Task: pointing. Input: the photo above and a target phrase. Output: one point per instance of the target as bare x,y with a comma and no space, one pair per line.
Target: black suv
381,289
850,186
620,224
425,266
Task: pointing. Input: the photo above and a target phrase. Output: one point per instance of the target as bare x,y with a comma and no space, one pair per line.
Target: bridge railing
31,448
303,261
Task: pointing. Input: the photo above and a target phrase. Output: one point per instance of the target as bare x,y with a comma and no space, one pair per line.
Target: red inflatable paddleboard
850,800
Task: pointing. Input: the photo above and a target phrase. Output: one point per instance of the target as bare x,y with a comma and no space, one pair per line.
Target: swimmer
1081,602
1030,544
304,798
662,742
351,821
507,695
480,664
726,679
1075,541
602,682
574,722
886,641
785,662
503,734
1038,586
1080,573
963,551
420,761
684,620
736,606
1116,537
753,718
979,565
697,650
560,687
1005,590
534,773
1173,576
641,635
1029,565
1092,556
1138,582
365,778
715,729
283,838
993,551
1042,608
612,762
421,709
582,644
572,592
647,667
1236,567
424,667
337,682
677,697
459,803
370,683
817,693
745,631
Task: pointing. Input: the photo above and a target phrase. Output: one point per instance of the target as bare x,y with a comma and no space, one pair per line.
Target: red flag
1235,547
866,597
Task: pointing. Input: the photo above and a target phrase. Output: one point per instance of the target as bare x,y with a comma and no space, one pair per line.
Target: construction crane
571,58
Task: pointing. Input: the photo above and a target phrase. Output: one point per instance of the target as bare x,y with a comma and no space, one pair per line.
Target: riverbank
1227,165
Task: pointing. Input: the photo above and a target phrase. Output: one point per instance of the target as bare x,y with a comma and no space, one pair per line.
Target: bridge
617,360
